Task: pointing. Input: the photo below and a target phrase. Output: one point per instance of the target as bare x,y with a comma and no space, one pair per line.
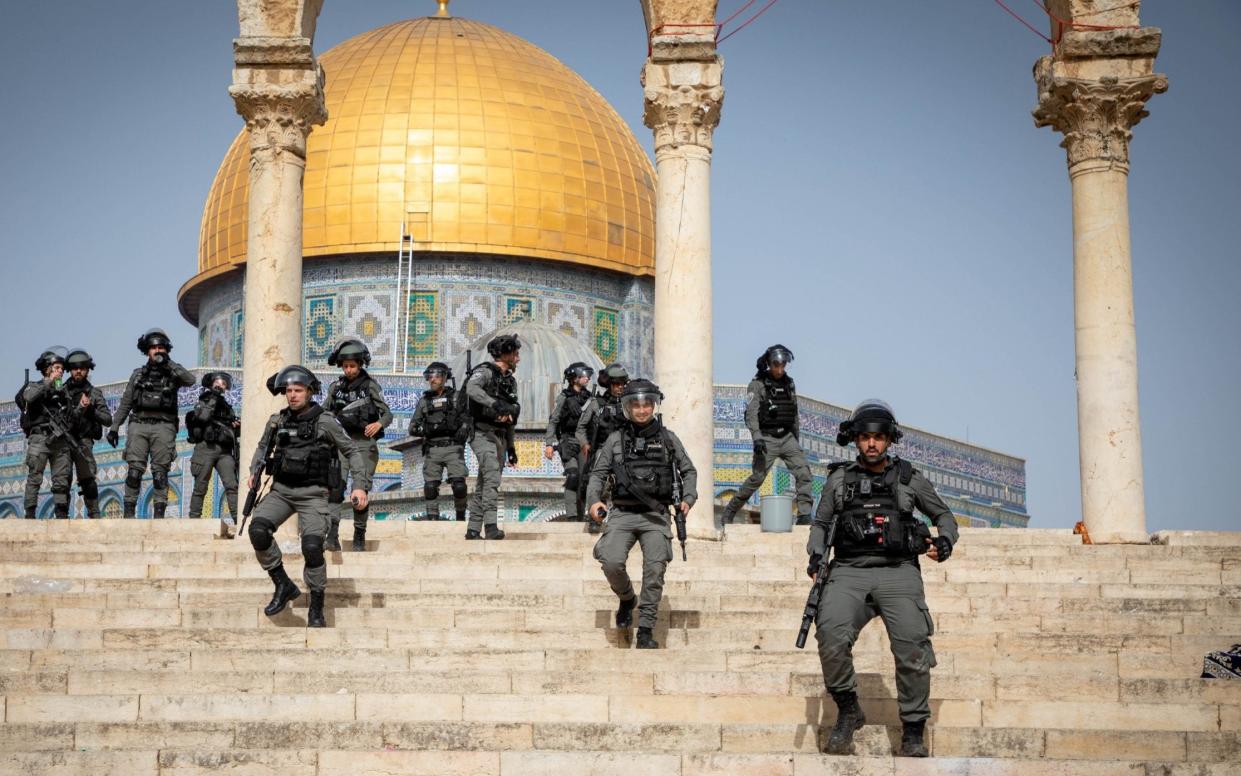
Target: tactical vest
342,394
871,521
215,425
441,419
303,456
646,467
498,386
571,411
777,414
34,415
155,391
85,425
608,417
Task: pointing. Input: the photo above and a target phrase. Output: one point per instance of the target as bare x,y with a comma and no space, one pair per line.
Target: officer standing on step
650,472
875,569
358,403
600,417
562,433
88,415
491,395
38,400
302,447
150,404
771,416
212,428
444,433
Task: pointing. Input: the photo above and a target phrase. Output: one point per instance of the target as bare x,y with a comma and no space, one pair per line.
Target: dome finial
442,13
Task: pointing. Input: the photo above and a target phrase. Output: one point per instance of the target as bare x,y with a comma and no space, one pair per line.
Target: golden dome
488,143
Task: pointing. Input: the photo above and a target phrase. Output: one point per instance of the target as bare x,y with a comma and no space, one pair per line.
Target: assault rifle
820,584
274,436
678,494
60,429
593,450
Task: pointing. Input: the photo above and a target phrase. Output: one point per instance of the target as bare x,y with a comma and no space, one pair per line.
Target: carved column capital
1096,116
682,101
278,89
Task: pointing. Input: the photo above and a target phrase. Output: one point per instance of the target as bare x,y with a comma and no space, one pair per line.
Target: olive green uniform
863,585
151,434
631,521
782,442
354,424
310,502
435,419
491,442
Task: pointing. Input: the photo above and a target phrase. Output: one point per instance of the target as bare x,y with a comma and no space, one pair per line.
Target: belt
632,504
778,432
440,442
155,418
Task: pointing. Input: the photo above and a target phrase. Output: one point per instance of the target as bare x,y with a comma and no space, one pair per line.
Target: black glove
417,431
113,438
463,434
160,359
815,560
503,408
943,548
512,456
760,448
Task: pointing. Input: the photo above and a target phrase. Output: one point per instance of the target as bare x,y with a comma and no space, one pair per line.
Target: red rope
748,22
737,13
1063,24
1028,26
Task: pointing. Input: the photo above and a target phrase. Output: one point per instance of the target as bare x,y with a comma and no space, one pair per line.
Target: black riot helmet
293,375
437,368
209,379
776,354
613,373
153,337
505,343
350,350
874,416
640,390
78,358
56,354
577,369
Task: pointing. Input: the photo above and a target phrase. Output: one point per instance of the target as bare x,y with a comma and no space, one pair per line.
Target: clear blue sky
882,204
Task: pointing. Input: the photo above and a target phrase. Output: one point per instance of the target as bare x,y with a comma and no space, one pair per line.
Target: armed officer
600,417
875,569
212,428
358,403
444,433
771,417
88,415
491,394
150,405
301,447
38,400
562,433
650,472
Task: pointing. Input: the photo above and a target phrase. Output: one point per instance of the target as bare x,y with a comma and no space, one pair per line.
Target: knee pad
431,490
571,479
89,488
459,488
262,534
133,479
312,551
159,480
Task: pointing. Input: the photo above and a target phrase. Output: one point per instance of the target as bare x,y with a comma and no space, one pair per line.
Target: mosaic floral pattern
567,318
320,331
469,316
368,316
239,331
518,308
606,339
218,343
422,330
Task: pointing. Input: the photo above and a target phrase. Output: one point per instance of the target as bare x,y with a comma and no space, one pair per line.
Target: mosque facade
466,183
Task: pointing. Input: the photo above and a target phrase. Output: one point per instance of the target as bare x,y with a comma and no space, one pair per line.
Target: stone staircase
139,647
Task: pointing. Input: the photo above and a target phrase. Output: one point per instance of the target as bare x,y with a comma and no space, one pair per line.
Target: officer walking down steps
650,472
300,448
771,417
491,393
444,433
868,506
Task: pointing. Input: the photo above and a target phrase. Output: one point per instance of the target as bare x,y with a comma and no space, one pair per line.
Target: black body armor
303,457
608,418
442,420
85,425
34,415
871,522
156,391
645,472
500,386
777,415
571,411
211,420
342,394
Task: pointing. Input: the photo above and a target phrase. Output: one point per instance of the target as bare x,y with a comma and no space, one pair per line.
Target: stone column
683,97
278,90
1096,116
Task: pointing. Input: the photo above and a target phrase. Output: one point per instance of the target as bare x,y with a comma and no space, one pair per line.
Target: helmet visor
635,405
779,356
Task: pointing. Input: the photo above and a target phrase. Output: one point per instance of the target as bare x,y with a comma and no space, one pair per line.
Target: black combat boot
912,744
61,511
493,532
314,615
332,542
804,520
158,511
849,719
624,613
285,591
131,510
593,527
470,533
460,516
359,539
92,510
32,511
646,640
